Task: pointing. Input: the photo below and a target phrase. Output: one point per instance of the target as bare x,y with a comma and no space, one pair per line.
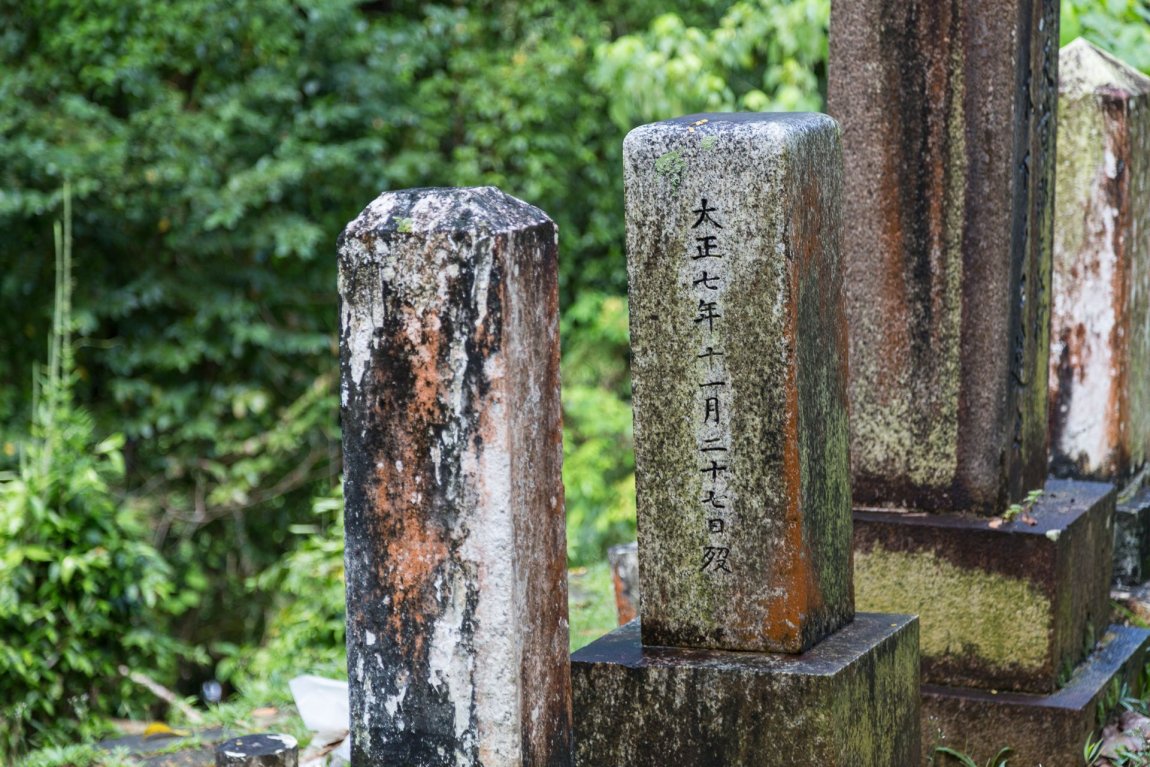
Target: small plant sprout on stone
1021,511
998,760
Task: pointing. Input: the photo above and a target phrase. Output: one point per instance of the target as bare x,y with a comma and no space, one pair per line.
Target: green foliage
1120,27
80,755
591,596
1091,750
598,449
998,760
306,628
762,55
81,588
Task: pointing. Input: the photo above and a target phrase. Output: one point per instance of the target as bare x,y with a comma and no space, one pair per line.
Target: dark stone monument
948,115
456,556
747,650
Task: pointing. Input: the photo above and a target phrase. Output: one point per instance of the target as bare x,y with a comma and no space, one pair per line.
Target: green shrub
81,588
306,626
598,445
1121,27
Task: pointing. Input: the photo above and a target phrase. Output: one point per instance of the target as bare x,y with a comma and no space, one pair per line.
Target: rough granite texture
1012,607
853,699
1100,338
947,109
1041,730
738,344
456,567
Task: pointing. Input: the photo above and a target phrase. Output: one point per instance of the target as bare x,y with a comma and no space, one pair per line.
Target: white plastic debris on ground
322,704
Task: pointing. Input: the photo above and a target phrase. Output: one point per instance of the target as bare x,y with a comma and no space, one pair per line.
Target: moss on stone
1004,621
671,165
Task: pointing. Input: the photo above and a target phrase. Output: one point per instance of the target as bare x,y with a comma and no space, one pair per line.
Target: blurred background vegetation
170,462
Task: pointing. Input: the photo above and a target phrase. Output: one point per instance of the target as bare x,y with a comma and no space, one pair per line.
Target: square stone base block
1047,730
852,699
1132,539
1004,605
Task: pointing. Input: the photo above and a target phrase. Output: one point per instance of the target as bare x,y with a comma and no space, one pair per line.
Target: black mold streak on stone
429,389
947,113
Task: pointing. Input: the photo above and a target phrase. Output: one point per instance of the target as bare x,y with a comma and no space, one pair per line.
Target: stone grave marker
745,648
948,115
1100,338
947,110
456,563
624,563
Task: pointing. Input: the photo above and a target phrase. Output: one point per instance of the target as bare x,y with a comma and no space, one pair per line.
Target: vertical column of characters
712,430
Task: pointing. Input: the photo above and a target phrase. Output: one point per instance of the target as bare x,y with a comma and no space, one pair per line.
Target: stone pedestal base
1045,730
1003,605
852,699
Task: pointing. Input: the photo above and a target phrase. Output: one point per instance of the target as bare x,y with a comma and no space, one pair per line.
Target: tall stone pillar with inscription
948,118
748,650
1100,339
456,556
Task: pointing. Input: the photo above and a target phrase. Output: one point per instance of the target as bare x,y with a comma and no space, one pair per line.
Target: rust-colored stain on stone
457,628
947,114
1099,410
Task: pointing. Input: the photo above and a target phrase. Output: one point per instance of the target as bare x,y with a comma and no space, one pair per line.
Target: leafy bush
598,448
1121,27
80,585
306,627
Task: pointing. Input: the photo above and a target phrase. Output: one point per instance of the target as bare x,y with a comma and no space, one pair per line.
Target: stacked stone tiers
1004,606
748,650
949,134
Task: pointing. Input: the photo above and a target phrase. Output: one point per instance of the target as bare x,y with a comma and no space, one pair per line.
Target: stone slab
739,368
1100,338
852,699
1048,730
1013,607
948,118
456,556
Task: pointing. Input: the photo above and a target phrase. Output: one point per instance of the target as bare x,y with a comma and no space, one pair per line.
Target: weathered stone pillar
624,562
456,565
739,372
1100,340
948,114
947,110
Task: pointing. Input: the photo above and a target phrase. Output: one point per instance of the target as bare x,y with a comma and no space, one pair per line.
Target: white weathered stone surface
1100,340
456,564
